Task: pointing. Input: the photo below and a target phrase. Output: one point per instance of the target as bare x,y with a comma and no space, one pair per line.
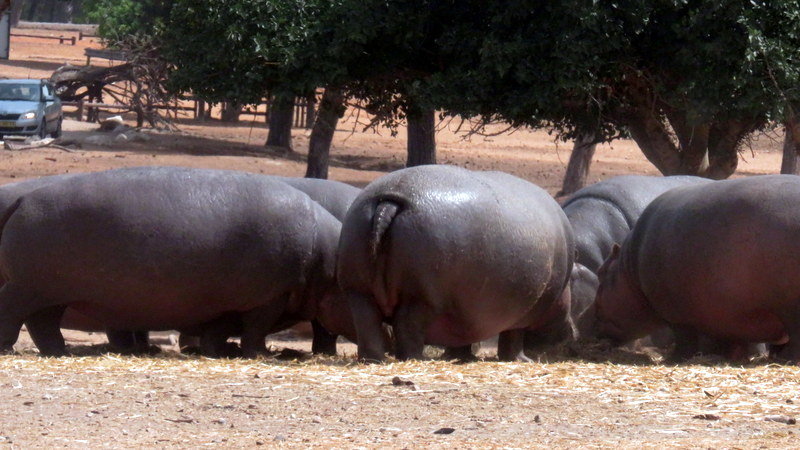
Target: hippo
165,248
719,259
336,198
120,340
450,257
602,215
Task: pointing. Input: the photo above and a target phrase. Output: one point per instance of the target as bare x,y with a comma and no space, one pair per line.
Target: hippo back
602,214
182,238
9,193
334,196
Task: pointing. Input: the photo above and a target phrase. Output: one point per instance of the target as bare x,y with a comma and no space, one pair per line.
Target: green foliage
119,19
570,65
577,65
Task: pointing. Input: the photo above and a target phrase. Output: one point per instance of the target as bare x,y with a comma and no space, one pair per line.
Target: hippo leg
16,305
44,328
188,343
687,344
212,343
463,354
368,321
743,351
510,345
257,324
215,334
141,339
787,347
411,320
324,342
129,342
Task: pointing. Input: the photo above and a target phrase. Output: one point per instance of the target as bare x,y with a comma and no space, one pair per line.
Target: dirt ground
582,396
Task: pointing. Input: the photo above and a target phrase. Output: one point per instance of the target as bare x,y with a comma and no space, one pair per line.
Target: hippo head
621,309
583,289
334,314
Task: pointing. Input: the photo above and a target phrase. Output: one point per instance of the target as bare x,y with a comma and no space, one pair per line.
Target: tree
119,19
16,11
373,52
686,80
224,52
331,109
578,166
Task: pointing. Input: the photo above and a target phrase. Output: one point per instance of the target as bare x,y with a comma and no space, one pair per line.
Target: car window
20,92
45,91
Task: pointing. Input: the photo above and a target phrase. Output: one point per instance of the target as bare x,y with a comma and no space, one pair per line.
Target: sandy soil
583,397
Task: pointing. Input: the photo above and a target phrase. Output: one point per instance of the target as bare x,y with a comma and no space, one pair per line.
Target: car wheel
43,129
57,133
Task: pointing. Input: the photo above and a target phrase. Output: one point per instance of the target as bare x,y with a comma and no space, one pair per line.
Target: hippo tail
6,216
385,212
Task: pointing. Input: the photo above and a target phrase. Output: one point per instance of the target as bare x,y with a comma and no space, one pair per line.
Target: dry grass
176,401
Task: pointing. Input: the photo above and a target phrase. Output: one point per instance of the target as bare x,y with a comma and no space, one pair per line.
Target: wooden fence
60,39
304,112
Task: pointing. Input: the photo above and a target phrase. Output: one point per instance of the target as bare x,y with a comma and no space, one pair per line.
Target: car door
50,109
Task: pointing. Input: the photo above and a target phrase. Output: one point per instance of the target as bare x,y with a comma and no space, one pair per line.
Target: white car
29,108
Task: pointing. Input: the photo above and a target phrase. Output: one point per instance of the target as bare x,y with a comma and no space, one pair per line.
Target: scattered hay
561,399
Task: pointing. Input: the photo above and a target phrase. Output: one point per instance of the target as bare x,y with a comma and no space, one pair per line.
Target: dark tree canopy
688,80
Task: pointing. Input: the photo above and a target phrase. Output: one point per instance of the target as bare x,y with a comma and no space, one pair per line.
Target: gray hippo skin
165,248
602,215
123,341
336,198
720,259
450,257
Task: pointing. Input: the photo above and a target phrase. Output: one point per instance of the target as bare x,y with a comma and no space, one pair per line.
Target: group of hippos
436,254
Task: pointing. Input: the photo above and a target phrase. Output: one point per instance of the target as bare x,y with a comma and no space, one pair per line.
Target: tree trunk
692,141
791,147
281,119
230,112
311,112
16,11
725,139
421,143
331,109
579,161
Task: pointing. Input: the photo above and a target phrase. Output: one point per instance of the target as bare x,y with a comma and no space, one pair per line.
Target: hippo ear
614,251
614,254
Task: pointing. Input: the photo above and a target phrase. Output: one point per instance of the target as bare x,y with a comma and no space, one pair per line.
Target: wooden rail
61,39
303,111
111,55
82,35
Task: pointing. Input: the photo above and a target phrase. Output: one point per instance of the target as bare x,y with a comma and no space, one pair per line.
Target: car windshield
19,91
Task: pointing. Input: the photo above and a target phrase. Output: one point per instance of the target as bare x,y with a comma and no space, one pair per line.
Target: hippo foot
371,359
54,353
675,359
290,354
785,354
147,350
522,358
256,353
227,350
191,350
459,354
230,350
